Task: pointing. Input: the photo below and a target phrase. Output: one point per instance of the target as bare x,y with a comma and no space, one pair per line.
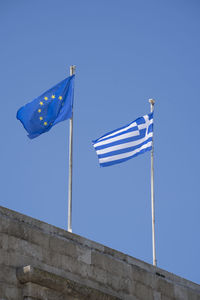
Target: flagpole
152,102
72,72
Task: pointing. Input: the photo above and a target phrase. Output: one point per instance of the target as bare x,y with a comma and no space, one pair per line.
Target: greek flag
126,142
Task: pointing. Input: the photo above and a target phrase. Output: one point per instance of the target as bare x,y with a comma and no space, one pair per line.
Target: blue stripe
150,116
118,134
139,121
150,129
125,150
95,141
110,163
119,142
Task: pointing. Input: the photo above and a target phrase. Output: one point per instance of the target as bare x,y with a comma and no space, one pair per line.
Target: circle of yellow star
60,97
45,123
39,110
46,98
41,103
53,96
41,118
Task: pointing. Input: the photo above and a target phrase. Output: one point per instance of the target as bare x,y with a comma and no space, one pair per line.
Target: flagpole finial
72,70
152,101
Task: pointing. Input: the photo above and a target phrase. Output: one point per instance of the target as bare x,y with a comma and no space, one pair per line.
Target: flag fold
52,107
125,142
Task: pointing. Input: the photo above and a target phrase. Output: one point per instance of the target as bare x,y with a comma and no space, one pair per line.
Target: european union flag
52,107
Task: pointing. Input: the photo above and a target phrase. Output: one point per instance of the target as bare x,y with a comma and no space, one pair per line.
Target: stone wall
42,262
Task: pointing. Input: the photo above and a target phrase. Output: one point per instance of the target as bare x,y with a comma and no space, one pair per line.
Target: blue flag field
52,107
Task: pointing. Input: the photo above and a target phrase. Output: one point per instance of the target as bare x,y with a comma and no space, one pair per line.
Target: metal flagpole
152,102
72,72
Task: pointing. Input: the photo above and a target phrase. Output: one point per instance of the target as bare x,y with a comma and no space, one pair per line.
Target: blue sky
125,52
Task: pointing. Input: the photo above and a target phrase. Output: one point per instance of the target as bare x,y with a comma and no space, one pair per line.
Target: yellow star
60,97
46,98
41,118
39,110
53,96
45,123
41,103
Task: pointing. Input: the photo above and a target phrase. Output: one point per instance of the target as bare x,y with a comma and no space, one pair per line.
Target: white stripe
124,155
117,138
118,131
148,122
123,146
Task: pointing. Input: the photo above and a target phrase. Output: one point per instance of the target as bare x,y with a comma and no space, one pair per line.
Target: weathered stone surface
53,264
143,292
60,284
10,292
165,287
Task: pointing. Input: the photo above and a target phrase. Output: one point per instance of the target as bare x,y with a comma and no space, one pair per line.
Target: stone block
16,259
84,255
18,230
10,292
63,246
3,241
51,258
156,295
98,275
24,247
192,295
165,288
4,257
143,292
74,266
4,224
8,275
180,293
141,275
38,292
39,238
111,265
